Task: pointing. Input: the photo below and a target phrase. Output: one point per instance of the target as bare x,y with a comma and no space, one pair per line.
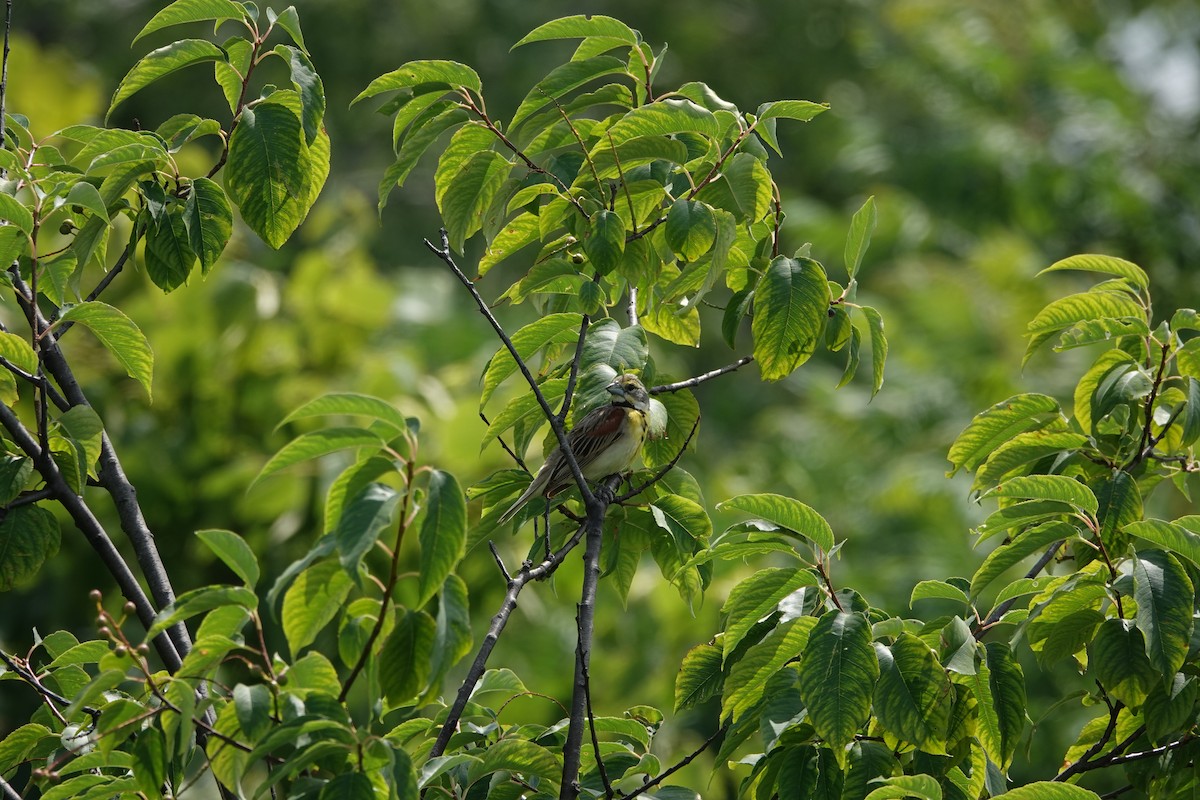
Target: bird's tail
520,503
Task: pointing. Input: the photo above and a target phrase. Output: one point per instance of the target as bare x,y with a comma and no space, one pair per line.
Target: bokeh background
995,137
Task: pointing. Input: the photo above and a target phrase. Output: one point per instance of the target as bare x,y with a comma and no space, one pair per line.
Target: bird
605,442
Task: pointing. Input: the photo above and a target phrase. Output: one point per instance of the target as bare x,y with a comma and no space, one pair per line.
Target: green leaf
161,62
1169,535
521,231
360,523
686,521
1048,790
879,347
517,756
404,661
182,11
14,211
1164,596
938,590
699,677
604,242
86,195
1117,659
348,786
471,194
198,601
272,177
914,696
229,75
234,552
1022,451
1107,265
581,26
289,21
453,636
611,161
1120,503
748,676
525,409
16,747
1060,488
414,73
665,118
1167,710
897,787
29,534
209,221
621,349
307,84
563,79
169,256
17,351
690,229
350,404
119,335
312,601
837,676
551,329
743,188
757,597
1008,555
791,305
318,443
253,705
862,225
443,532
786,513
1068,311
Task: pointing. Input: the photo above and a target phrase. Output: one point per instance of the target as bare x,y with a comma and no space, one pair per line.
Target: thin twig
52,698
1144,447
573,376
1002,609
1081,764
650,784
699,379
823,570
499,562
511,453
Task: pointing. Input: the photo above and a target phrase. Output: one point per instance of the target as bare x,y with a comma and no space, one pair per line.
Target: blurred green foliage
996,138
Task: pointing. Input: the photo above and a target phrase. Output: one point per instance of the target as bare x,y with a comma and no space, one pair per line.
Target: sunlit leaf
119,335
161,62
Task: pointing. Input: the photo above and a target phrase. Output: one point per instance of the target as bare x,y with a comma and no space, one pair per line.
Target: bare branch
1002,609
699,379
650,784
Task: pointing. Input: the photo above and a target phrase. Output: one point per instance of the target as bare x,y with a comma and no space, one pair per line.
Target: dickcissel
605,442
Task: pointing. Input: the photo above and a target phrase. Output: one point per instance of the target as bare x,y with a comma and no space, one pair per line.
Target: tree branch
1002,609
650,784
658,476
699,379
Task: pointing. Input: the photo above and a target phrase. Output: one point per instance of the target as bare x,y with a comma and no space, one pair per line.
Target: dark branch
591,717
699,379
574,374
1082,763
1002,609
648,785
658,476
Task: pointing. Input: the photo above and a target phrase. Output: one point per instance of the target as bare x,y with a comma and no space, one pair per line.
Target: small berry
67,227
121,650
95,595
143,649
130,607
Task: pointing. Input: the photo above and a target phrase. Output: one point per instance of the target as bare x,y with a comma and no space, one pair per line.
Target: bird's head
627,390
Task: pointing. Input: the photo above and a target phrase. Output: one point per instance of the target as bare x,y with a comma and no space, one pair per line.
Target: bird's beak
615,389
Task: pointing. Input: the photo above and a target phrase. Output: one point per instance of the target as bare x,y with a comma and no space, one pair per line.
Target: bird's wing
596,433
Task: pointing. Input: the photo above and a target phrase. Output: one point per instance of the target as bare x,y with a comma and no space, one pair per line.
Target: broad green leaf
88,196
20,742
271,175
581,26
550,329
914,696
525,409
318,443
17,351
1117,659
992,428
748,676
426,128
254,706
879,347
787,513
411,108
29,534
14,211
350,404
14,243
452,640
1107,265
519,232
443,532
611,161
757,597
230,75
1093,331
563,79
15,472
1067,311
862,225
404,662
161,62
665,118
690,229
1048,790
837,676
208,218
1120,503
1164,596
414,73
119,335
686,521
1170,535
312,601
1024,545
471,193
308,86
169,256
922,787
1022,451
622,349
1060,488
198,601
999,687
234,552
682,412
518,756
468,140
288,20
1167,710
1085,389
699,677
362,520
348,786
743,188
182,11
791,306
938,590
604,241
